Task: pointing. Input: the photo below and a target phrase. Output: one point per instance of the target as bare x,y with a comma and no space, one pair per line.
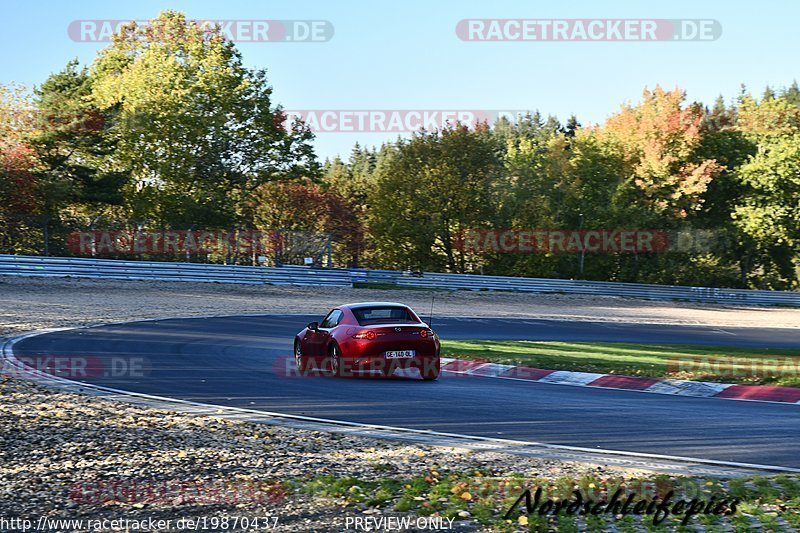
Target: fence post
46,235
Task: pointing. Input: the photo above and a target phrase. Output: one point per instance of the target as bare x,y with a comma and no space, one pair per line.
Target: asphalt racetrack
241,362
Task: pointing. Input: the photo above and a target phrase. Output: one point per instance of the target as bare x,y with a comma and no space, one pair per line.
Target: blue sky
407,55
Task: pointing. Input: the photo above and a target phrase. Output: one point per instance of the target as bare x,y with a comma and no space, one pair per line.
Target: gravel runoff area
29,303
62,454
70,456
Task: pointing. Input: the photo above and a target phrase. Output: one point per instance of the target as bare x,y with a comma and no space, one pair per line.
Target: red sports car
375,336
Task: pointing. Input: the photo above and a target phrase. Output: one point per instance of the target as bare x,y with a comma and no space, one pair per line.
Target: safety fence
17,265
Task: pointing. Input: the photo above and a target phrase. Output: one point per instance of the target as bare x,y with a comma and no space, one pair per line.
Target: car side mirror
313,326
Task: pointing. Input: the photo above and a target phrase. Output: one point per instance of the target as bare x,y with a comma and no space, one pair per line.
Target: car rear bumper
379,363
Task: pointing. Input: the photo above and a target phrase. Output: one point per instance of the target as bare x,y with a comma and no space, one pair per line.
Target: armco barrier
602,288
17,265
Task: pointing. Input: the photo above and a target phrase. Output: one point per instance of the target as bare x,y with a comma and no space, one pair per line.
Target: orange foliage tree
306,206
659,138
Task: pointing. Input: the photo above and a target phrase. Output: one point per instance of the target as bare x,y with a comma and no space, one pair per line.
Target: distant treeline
168,129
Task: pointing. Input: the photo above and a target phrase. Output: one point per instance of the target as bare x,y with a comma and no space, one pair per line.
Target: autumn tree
20,191
428,190
770,212
767,117
196,129
307,208
73,142
659,137
530,191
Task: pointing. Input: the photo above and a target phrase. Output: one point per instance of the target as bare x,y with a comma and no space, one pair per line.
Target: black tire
337,362
300,361
430,374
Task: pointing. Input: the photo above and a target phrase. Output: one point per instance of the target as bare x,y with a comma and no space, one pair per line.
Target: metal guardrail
604,288
17,265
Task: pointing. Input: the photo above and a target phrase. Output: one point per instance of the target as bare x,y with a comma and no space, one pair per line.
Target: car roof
373,304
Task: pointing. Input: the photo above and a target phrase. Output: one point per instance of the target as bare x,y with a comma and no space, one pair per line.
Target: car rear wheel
430,373
337,363
299,359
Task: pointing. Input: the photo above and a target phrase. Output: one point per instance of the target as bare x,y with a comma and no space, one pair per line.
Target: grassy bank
700,363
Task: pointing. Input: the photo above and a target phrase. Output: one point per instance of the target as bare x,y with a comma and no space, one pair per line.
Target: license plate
400,354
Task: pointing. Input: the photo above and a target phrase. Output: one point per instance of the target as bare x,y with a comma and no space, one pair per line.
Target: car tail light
366,334
425,333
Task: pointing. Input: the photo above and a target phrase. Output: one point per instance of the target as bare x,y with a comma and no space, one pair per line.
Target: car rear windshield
383,315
